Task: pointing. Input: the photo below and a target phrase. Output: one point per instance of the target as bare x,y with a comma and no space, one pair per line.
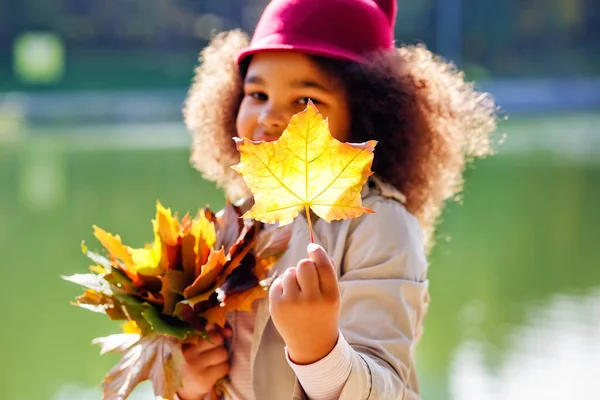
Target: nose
273,121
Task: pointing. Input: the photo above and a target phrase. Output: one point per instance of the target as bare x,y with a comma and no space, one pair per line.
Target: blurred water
515,282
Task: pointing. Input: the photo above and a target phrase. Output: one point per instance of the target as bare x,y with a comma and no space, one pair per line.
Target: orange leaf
113,245
241,301
188,257
216,315
210,272
205,233
306,168
118,251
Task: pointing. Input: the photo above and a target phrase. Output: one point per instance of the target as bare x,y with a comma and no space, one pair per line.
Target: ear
390,8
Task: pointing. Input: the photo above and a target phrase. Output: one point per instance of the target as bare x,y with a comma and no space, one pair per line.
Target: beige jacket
384,298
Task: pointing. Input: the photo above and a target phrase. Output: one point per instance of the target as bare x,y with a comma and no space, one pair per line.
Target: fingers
328,282
289,281
276,290
196,382
216,372
202,359
206,361
307,277
215,339
212,357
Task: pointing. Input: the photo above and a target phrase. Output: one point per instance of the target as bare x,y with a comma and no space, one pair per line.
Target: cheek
339,125
245,121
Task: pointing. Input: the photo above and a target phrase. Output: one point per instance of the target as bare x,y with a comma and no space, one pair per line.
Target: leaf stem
310,228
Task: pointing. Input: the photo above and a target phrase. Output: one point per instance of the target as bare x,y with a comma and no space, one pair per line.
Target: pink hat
343,29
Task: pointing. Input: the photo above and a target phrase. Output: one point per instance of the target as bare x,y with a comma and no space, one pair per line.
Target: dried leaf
210,272
230,224
166,237
165,226
240,249
306,168
155,357
100,302
173,285
117,250
243,300
271,243
189,246
205,232
189,310
238,301
147,261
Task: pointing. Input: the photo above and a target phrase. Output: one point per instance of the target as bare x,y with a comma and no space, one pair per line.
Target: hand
205,364
305,307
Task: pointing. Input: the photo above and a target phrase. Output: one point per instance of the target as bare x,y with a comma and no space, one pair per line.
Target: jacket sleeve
384,297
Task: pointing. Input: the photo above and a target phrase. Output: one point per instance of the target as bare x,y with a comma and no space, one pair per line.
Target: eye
260,96
304,100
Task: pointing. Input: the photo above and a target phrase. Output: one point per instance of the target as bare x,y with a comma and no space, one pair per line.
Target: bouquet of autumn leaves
198,269
194,272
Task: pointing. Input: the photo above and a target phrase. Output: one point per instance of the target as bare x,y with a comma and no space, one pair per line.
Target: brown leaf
229,226
186,309
188,256
239,250
172,287
271,243
156,357
210,272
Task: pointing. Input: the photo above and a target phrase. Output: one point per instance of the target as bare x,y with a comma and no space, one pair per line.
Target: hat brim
314,50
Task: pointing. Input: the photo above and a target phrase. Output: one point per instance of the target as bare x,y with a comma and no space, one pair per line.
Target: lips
265,138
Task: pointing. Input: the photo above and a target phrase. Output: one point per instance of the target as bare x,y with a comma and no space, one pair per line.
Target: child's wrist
313,352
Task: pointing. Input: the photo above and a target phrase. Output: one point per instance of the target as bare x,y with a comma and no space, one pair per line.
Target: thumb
325,268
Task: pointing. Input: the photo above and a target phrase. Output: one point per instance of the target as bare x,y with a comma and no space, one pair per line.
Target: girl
343,322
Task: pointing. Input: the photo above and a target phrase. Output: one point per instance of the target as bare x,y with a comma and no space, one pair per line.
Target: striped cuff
325,379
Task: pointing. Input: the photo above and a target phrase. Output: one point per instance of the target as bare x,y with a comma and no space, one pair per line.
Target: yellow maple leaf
306,168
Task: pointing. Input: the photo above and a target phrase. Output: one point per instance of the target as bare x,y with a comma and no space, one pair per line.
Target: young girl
345,316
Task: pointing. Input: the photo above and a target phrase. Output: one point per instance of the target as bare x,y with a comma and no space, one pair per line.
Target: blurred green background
91,133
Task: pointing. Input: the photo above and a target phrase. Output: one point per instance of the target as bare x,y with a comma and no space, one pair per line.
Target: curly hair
429,122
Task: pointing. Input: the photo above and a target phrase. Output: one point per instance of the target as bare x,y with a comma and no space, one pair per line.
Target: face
279,85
